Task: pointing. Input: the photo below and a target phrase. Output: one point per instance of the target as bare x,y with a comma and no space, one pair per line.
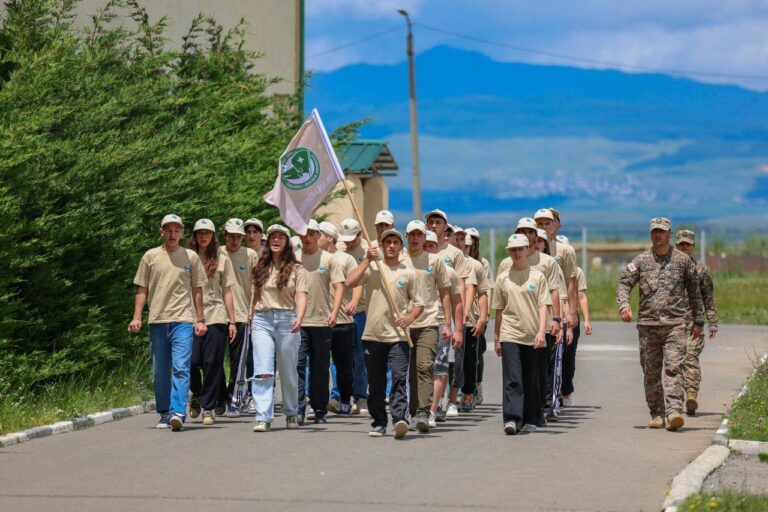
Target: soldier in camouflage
666,277
685,241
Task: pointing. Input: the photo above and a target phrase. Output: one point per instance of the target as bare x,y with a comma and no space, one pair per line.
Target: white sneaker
432,420
510,428
479,394
452,411
528,427
310,413
360,407
568,402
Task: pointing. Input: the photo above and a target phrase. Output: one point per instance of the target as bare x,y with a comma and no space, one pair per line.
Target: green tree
102,132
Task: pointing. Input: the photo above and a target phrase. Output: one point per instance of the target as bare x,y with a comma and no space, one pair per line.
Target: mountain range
610,149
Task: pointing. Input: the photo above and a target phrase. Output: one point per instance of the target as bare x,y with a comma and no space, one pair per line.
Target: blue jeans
171,346
360,375
271,339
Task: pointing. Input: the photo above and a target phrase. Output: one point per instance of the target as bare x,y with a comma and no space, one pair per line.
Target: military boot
656,422
675,421
690,403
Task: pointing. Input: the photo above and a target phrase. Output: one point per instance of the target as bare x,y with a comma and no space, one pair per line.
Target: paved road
599,457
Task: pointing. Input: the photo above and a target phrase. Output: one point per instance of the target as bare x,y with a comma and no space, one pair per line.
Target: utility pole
414,120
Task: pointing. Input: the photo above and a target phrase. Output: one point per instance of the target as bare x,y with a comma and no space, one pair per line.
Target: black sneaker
377,432
320,420
194,406
345,410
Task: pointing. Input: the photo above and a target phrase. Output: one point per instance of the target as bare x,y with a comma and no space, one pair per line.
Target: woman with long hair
208,350
277,309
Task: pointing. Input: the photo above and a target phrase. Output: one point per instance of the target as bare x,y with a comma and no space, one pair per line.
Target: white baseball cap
253,222
517,241
234,226
431,236
275,228
313,225
544,213
168,219
204,224
439,213
349,230
296,243
469,240
457,229
527,223
562,239
542,234
392,232
329,229
451,228
385,216
416,225
473,232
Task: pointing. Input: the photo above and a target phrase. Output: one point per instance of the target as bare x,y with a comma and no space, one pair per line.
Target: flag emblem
299,169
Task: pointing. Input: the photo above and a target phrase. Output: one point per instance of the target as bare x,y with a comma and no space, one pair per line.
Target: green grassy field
740,299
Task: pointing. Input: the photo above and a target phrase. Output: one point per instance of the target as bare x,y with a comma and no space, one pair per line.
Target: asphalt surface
599,456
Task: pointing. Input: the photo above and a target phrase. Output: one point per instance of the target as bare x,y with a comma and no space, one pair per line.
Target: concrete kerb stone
77,423
691,479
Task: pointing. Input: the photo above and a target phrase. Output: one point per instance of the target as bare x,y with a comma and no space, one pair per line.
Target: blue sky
723,37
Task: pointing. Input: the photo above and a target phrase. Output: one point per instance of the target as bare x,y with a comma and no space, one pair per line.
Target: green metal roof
367,156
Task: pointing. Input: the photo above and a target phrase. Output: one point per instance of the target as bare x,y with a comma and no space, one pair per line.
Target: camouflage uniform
665,282
692,369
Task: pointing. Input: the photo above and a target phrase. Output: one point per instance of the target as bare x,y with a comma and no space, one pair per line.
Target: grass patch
739,298
748,418
762,457
729,502
102,389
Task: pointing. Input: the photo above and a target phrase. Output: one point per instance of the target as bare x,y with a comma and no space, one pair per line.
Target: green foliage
727,502
102,132
748,418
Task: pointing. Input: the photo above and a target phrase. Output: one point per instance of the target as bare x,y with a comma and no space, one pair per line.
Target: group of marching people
350,328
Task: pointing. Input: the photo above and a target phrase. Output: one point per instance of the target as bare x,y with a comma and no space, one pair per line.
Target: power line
359,41
573,58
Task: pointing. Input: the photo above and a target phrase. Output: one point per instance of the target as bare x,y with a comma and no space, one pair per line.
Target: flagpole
385,285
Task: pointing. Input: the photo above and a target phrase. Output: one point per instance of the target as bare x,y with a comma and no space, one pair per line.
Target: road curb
691,479
90,420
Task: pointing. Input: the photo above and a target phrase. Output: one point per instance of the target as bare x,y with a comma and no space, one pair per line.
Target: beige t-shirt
169,278
322,273
272,298
565,255
518,294
433,275
478,278
540,261
487,269
215,310
243,262
358,253
380,322
347,264
454,290
454,258
581,281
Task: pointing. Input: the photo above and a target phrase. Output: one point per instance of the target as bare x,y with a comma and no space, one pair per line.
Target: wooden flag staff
379,267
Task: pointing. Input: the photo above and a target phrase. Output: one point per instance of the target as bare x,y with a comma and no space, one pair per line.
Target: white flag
308,171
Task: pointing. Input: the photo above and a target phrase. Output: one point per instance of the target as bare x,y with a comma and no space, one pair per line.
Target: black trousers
208,358
342,350
315,348
377,356
520,384
547,372
235,350
569,362
482,346
470,362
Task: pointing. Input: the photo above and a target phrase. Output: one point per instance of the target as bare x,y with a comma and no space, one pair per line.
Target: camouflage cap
661,223
685,235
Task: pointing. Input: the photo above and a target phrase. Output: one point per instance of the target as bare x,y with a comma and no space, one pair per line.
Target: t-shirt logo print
532,287
428,270
186,268
242,268
322,268
299,169
401,283
448,261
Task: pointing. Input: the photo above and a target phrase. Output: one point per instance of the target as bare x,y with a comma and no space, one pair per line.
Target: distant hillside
500,138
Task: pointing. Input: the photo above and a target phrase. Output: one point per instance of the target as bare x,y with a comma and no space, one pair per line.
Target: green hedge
102,132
